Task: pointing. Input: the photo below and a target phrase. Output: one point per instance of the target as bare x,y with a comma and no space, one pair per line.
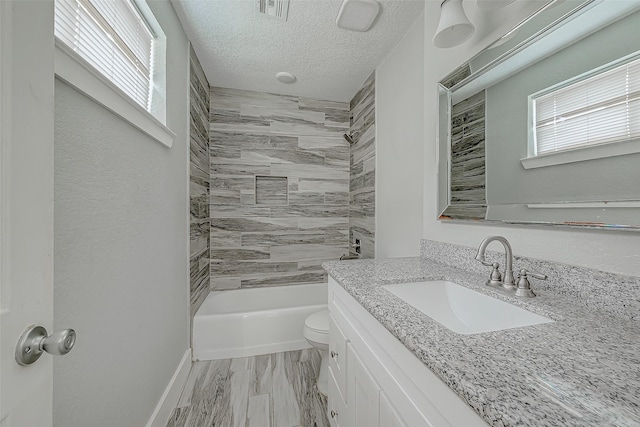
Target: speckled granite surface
581,370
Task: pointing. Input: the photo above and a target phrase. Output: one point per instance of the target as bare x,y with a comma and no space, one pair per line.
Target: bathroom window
114,38
115,52
593,110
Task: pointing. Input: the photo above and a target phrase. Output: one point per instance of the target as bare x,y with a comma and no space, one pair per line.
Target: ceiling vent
274,8
357,15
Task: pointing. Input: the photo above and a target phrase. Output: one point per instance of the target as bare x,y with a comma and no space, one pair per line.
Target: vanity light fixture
357,15
454,27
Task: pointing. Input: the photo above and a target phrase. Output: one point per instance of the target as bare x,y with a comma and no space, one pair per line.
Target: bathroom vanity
375,381
392,365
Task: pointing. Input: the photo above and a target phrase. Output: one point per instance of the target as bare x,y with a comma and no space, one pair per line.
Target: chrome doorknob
34,341
59,343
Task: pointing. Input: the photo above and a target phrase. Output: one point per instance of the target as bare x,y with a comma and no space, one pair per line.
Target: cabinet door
336,408
389,417
364,398
338,357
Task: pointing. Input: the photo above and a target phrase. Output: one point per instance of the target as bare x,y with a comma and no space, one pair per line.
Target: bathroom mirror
491,165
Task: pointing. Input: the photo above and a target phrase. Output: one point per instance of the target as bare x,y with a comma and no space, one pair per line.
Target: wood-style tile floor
273,390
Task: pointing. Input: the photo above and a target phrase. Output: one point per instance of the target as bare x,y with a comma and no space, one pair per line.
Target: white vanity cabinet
369,405
374,381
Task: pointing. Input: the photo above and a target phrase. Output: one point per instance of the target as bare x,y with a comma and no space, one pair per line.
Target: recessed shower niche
272,190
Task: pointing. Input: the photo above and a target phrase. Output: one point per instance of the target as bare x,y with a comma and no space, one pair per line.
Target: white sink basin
462,310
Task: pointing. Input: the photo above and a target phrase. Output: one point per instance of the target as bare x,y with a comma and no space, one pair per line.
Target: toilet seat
318,322
316,327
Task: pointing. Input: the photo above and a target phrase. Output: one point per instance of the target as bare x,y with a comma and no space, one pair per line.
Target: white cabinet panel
389,417
364,392
338,357
336,408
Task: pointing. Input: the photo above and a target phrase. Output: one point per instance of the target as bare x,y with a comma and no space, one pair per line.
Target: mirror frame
463,77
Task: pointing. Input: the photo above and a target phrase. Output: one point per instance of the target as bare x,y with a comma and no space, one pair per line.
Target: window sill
583,154
74,70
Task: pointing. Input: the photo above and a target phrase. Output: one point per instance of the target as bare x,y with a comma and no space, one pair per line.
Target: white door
26,206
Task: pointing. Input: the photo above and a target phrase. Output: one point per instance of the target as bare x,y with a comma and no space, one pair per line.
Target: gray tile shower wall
362,195
468,169
199,184
456,76
279,197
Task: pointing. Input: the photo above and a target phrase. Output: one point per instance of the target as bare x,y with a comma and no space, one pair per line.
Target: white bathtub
248,322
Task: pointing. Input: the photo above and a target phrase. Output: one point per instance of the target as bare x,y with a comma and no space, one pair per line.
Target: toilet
316,332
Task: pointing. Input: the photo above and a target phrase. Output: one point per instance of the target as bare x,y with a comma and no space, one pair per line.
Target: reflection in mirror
489,166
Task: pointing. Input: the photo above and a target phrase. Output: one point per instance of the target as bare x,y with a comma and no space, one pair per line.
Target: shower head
349,138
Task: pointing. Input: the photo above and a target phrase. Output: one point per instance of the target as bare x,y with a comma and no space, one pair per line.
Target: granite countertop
581,370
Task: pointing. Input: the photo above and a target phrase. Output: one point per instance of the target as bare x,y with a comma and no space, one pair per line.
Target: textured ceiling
239,48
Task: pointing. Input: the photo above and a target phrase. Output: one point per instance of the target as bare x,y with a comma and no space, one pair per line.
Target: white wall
604,250
399,146
121,251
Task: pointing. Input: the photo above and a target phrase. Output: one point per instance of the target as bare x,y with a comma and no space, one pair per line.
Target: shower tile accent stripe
362,169
468,196
299,218
199,180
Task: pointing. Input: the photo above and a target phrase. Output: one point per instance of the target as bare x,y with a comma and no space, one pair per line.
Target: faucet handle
495,278
534,275
524,287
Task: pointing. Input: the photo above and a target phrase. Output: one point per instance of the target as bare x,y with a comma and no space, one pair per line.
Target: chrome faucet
496,279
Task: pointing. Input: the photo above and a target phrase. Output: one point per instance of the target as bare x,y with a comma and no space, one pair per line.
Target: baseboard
171,394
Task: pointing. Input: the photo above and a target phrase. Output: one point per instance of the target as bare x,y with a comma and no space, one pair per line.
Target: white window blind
114,38
600,109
